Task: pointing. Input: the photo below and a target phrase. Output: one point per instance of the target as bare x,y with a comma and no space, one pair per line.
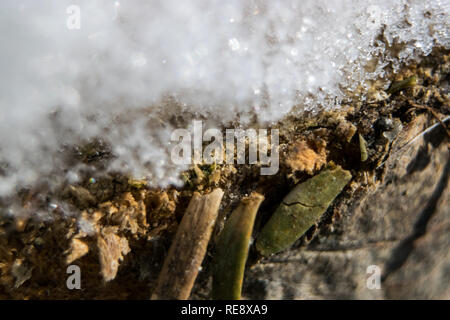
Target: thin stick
188,248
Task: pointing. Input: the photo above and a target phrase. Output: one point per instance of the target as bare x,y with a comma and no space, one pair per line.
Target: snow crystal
225,60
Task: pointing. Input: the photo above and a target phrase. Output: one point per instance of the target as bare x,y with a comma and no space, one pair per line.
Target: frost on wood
225,60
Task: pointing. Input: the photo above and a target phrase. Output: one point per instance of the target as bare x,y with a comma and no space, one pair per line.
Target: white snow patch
225,60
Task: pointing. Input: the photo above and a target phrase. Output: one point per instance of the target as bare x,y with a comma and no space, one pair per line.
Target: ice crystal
225,60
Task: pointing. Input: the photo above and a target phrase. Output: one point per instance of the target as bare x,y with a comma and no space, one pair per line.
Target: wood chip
188,248
112,249
77,249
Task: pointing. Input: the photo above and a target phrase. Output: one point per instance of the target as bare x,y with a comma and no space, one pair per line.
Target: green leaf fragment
300,210
232,249
401,85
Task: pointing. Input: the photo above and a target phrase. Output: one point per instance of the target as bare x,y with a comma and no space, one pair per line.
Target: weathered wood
400,225
188,248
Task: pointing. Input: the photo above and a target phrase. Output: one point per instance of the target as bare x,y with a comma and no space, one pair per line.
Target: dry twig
188,248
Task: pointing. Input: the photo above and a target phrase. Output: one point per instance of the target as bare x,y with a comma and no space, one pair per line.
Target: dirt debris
77,249
118,230
303,156
21,272
112,249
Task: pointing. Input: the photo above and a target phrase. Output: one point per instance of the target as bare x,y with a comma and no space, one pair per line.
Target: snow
223,60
